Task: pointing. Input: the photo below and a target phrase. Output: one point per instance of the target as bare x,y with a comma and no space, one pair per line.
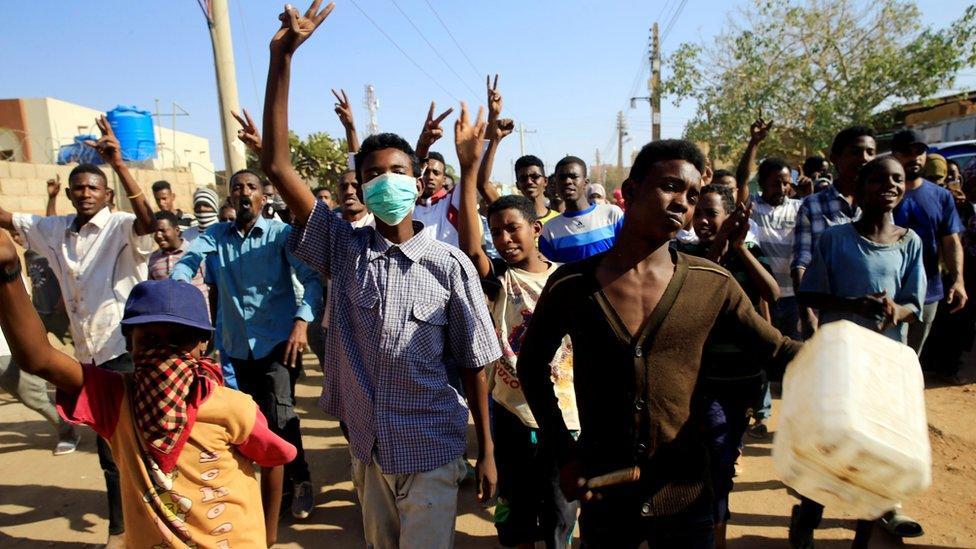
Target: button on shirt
817,212
252,274
96,268
398,311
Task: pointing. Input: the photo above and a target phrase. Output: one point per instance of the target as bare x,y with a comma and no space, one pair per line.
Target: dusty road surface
48,501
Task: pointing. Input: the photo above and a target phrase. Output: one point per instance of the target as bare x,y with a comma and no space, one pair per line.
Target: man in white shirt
97,256
437,208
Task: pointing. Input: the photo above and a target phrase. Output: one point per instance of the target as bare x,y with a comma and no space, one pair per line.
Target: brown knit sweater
637,396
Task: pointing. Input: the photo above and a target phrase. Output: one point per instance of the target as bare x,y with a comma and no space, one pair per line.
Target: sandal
900,525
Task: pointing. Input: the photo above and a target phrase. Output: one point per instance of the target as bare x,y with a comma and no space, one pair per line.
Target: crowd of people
613,363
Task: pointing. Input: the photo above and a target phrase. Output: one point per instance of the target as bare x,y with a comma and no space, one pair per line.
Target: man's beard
245,212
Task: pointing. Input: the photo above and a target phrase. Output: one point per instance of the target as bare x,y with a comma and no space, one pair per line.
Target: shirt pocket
426,328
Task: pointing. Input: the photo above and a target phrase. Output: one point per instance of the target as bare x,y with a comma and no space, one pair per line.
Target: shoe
68,444
900,525
800,538
115,541
759,430
303,500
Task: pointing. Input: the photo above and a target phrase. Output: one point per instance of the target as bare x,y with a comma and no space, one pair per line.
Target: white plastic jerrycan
852,433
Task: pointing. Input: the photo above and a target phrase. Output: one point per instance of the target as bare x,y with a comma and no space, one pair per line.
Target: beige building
32,130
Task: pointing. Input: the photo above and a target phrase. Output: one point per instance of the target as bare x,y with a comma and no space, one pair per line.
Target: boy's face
854,156
513,236
776,187
884,188
165,200
143,337
571,182
167,236
912,160
726,181
531,182
709,216
87,193
663,202
433,179
349,199
384,161
227,213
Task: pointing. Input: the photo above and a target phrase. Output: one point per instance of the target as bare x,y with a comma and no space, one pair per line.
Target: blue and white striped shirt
578,235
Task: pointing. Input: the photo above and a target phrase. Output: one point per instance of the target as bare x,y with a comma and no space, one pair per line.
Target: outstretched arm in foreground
467,139
111,152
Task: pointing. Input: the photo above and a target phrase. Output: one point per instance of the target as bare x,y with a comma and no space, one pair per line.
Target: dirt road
48,501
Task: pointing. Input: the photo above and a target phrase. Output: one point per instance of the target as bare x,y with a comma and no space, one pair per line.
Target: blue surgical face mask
390,196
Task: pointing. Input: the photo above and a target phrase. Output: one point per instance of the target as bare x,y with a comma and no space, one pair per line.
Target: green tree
319,158
814,67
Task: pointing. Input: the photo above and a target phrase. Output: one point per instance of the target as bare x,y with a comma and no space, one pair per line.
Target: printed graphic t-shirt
514,293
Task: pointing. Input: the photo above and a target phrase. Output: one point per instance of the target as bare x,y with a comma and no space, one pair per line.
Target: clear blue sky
566,67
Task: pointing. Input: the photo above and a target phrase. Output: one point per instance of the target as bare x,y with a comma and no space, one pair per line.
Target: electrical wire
405,54
247,50
456,43
434,49
674,19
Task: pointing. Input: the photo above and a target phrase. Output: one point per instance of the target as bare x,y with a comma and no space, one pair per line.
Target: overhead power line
674,19
405,54
432,47
456,43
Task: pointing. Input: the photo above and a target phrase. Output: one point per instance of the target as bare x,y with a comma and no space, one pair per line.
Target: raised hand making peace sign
108,146
248,134
343,109
296,28
468,137
432,130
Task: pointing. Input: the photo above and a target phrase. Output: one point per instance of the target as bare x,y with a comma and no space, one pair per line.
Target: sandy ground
48,501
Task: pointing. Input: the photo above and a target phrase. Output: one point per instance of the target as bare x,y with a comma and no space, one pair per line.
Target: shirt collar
584,211
99,220
434,198
259,228
414,249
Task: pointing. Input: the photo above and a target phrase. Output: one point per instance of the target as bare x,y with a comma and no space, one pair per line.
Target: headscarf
169,386
209,197
936,168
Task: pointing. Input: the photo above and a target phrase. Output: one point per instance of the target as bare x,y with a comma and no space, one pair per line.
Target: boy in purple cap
183,443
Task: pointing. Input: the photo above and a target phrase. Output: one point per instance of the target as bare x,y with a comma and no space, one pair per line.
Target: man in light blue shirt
252,276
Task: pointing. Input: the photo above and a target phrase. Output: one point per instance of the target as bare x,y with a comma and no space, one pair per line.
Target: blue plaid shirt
398,311
817,212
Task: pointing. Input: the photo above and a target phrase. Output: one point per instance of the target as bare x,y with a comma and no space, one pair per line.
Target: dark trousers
531,506
116,524
616,522
727,419
272,386
811,513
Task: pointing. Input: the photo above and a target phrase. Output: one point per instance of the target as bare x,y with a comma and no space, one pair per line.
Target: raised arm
111,152
759,275
496,130
344,111
275,153
53,190
757,132
467,140
23,330
431,132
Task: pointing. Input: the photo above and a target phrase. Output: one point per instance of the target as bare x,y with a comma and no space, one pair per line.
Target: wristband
133,197
8,275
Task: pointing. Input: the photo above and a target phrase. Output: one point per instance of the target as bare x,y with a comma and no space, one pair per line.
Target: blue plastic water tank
79,152
134,129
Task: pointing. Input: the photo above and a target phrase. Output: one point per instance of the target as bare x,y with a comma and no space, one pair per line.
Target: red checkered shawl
168,387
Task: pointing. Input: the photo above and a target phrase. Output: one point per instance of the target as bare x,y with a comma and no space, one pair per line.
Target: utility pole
621,133
522,131
218,21
654,85
372,106
603,173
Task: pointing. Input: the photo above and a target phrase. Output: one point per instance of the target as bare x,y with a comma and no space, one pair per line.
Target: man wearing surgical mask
250,268
404,301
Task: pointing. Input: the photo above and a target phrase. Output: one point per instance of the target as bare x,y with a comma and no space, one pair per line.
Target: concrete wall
23,186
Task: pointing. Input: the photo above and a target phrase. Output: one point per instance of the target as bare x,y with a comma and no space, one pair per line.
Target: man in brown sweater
638,316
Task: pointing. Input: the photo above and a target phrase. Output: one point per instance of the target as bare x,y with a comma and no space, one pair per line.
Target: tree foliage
814,66
319,158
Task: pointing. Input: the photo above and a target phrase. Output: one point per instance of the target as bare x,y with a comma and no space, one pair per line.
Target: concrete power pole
522,131
654,85
372,106
218,21
621,133
603,173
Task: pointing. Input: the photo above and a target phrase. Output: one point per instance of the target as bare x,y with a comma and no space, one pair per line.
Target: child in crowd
186,472
871,273
732,381
638,317
530,505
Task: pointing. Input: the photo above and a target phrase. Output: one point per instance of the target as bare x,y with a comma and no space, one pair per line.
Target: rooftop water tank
134,129
79,152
